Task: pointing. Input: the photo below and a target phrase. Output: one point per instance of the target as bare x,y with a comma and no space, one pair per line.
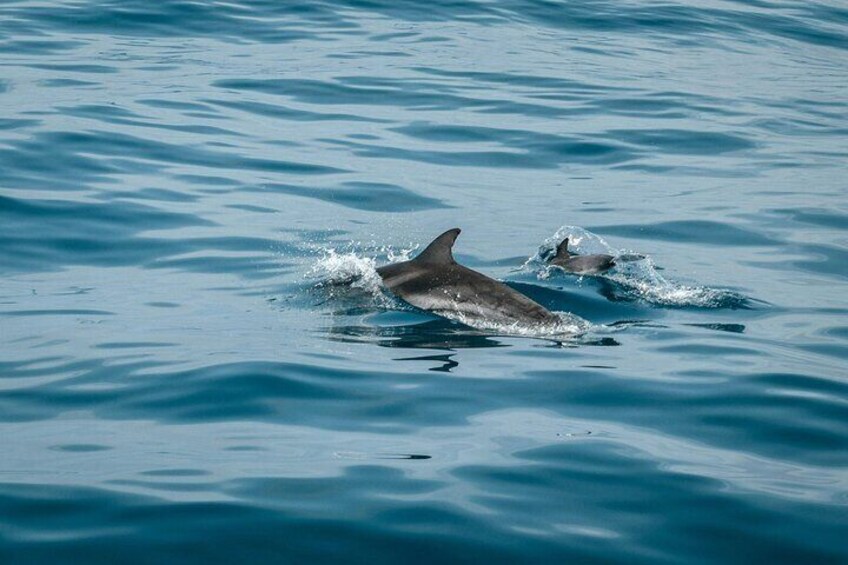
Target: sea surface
198,363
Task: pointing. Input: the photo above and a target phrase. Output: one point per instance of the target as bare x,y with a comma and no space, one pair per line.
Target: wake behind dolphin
632,276
435,282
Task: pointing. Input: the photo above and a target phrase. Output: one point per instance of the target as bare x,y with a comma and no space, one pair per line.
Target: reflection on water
446,362
442,334
431,334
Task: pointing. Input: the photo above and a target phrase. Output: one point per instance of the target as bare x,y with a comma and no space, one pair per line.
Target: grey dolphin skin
581,264
435,282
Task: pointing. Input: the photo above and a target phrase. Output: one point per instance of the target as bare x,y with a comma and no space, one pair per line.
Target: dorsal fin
562,251
439,250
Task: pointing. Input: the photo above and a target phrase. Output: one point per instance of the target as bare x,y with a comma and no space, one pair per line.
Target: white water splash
568,326
345,268
636,275
337,272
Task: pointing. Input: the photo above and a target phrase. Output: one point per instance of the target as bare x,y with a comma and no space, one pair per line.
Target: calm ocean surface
185,186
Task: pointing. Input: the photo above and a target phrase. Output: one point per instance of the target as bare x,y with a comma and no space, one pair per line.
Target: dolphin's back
586,264
456,289
581,264
434,281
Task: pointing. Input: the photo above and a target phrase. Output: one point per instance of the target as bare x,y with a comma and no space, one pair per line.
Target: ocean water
199,365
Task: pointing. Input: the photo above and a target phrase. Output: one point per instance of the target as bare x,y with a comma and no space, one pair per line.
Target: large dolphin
581,264
435,282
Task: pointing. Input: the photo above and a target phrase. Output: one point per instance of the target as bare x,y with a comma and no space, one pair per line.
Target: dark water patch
840,332
37,366
534,147
10,123
160,304
338,93
107,237
681,24
655,109
827,259
74,68
799,127
133,344
686,142
773,424
830,219
492,159
719,327
551,83
156,194
441,10
837,351
119,116
589,299
174,104
369,54
251,208
570,470
264,22
374,197
664,104
458,134
703,232
738,172
160,485
413,95
81,447
40,163
383,37
206,180
66,82
111,237
802,29
37,47
291,114
264,506
606,16
711,350
47,159
744,424
175,473
270,392
56,312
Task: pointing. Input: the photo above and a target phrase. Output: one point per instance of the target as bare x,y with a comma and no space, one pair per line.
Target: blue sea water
188,374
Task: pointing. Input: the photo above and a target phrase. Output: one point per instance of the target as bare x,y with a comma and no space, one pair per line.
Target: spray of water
636,276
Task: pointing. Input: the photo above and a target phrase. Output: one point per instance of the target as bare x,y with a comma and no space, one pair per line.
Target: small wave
635,276
345,274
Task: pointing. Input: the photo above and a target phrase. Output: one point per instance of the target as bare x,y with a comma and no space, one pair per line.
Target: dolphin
581,264
435,282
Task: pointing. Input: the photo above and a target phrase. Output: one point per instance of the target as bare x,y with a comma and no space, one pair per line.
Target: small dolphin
435,282
581,264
